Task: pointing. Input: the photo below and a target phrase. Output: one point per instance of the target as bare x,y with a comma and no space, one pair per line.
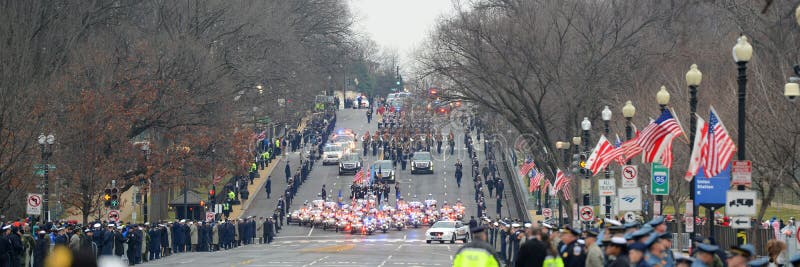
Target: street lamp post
606,116
662,97
46,143
576,144
145,183
693,79
628,111
742,52
586,125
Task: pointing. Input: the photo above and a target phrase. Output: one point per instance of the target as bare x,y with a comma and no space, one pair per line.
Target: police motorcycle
458,209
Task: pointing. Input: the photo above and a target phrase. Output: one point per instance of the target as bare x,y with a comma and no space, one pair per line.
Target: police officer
704,255
571,252
616,252
477,252
740,255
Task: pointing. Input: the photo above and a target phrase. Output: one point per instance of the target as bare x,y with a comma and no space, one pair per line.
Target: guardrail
517,189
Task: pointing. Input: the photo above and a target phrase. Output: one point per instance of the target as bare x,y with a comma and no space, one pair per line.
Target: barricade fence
725,237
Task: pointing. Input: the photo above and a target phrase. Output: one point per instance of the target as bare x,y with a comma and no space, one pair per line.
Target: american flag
527,167
719,147
695,160
562,184
600,158
358,177
629,149
652,138
567,191
536,180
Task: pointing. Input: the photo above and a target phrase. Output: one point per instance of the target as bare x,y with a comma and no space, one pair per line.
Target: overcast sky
399,24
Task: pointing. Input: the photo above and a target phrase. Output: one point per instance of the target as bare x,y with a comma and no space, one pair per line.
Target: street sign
741,172
630,176
218,208
210,216
607,187
629,199
547,213
660,175
689,209
113,215
740,203
656,208
587,213
740,222
711,191
586,186
689,224
34,204
630,216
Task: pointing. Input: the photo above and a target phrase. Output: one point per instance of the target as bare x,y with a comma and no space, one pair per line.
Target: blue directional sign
711,191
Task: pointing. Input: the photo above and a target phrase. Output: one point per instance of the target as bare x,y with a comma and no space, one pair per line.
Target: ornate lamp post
606,116
586,125
662,98
46,142
693,79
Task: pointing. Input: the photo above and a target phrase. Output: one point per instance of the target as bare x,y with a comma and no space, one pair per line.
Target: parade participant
154,246
760,262
119,240
654,256
533,252
739,256
704,255
41,249
636,255
683,261
571,252
659,224
477,252
134,239
594,256
616,252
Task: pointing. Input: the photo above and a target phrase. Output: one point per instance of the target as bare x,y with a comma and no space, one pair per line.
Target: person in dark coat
40,250
155,243
119,249
164,240
269,232
12,234
288,171
5,246
499,186
268,186
187,237
177,237
108,241
134,240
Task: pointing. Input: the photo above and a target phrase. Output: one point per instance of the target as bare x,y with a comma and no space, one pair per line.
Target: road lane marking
310,231
313,262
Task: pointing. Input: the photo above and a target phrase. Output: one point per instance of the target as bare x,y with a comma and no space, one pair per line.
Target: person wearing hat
594,256
134,239
119,241
683,261
477,252
704,255
636,253
666,242
616,251
654,256
659,224
739,255
75,239
760,262
40,249
571,252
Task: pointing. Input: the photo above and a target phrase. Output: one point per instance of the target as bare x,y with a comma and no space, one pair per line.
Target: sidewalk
258,185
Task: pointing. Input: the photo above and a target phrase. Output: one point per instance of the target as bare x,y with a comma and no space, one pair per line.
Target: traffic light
211,194
107,197
202,203
114,198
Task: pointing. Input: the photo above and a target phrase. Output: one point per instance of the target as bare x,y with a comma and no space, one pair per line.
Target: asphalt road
310,246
